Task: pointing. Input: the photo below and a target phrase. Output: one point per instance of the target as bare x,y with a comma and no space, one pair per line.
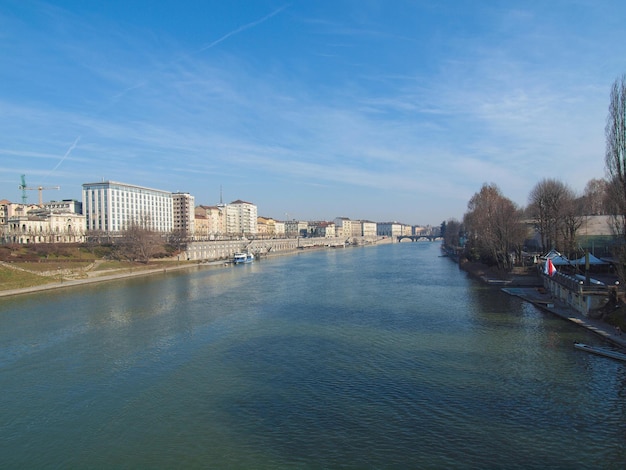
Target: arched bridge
418,238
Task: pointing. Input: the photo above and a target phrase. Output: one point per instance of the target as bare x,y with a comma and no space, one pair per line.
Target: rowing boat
601,351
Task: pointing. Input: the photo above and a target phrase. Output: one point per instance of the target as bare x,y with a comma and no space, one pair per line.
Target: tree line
495,230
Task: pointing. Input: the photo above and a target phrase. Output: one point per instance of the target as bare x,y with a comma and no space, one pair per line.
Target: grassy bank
25,266
16,279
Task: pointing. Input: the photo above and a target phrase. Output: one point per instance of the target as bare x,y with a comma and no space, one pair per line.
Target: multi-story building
389,229
210,221
41,226
296,228
66,206
322,229
279,228
368,229
241,218
201,227
266,226
183,213
348,228
111,207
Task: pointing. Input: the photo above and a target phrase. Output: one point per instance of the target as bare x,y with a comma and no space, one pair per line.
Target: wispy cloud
496,106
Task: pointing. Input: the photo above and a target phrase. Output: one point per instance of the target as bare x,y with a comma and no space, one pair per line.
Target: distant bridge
419,238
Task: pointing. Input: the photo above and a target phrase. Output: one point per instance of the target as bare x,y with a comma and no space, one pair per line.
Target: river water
377,357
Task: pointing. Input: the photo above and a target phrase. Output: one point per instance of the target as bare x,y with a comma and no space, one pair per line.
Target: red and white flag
549,268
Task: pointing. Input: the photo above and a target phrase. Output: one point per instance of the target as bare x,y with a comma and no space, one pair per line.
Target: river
378,357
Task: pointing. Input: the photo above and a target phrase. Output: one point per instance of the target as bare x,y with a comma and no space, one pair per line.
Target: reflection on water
377,357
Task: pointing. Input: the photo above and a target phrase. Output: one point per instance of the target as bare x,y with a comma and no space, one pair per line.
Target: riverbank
528,285
543,301
92,277
130,273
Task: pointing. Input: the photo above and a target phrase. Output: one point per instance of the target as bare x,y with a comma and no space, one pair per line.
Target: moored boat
240,258
601,351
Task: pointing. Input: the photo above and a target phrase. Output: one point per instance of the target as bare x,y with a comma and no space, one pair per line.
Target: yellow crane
24,188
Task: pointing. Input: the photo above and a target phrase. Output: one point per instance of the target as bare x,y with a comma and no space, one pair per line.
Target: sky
382,110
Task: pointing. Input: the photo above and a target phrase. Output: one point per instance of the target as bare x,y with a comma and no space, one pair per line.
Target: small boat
240,258
601,351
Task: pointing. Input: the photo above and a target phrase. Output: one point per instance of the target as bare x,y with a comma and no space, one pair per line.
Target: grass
13,279
52,266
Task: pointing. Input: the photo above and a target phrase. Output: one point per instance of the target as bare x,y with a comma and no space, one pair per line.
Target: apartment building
266,226
296,228
210,221
348,228
183,213
390,229
111,207
368,228
322,229
241,218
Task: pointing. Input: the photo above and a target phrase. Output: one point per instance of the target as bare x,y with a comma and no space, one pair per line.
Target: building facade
347,228
241,218
322,229
66,206
369,229
296,228
45,227
266,226
389,229
183,213
210,221
111,207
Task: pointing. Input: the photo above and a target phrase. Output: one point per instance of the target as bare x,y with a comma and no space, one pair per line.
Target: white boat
601,351
240,258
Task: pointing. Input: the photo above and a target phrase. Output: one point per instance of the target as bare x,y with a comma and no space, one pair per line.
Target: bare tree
594,197
178,240
546,204
494,226
615,160
571,219
451,232
138,242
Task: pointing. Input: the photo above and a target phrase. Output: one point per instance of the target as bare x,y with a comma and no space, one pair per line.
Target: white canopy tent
593,261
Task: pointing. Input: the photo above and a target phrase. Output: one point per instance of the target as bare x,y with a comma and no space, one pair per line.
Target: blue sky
369,109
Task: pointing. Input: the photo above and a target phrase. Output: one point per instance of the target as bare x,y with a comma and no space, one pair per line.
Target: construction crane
24,188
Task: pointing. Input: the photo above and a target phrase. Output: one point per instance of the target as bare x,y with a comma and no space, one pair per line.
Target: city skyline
310,110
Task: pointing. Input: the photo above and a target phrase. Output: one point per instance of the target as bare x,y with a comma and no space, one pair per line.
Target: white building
111,207
369,228
65,206
390,229
45,227
241,218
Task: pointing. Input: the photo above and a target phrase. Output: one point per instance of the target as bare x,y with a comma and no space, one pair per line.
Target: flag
549,268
